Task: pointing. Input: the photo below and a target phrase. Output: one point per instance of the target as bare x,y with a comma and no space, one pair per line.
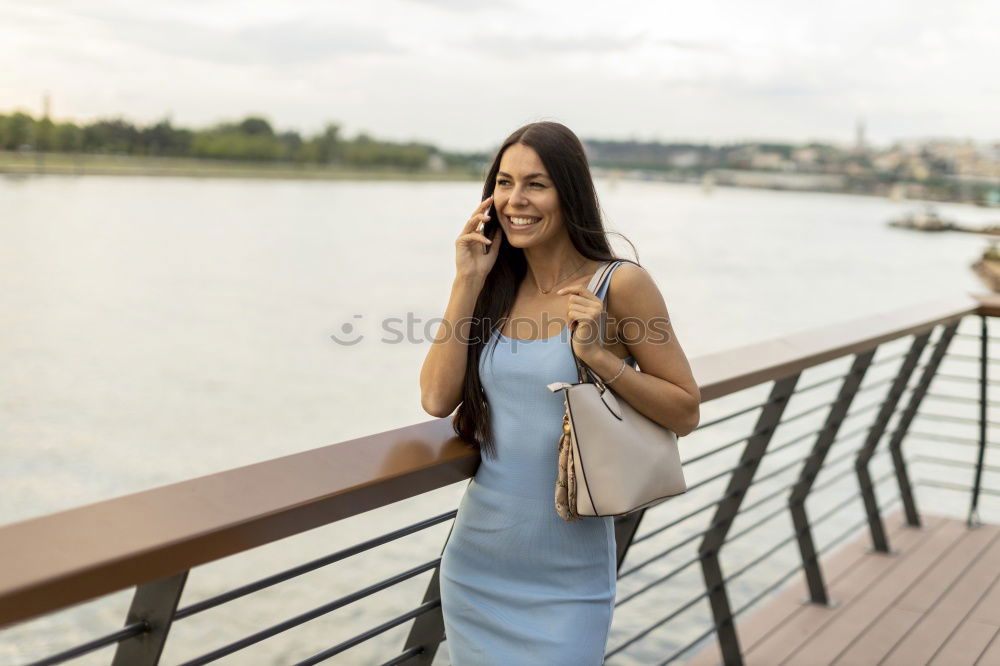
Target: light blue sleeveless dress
519,585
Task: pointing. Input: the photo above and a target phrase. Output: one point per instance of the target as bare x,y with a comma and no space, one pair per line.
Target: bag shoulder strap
602,274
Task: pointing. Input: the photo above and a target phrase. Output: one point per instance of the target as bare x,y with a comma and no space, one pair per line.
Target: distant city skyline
462,76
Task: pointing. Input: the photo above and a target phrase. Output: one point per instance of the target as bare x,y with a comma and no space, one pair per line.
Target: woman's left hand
584,312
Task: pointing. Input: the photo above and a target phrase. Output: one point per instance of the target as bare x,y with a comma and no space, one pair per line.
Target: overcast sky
464,74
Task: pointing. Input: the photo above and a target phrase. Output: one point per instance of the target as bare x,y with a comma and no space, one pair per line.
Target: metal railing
754,473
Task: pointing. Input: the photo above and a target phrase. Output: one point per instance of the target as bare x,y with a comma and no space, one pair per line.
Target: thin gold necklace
546,291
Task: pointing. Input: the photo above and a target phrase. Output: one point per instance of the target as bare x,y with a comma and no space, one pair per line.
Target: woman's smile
521,223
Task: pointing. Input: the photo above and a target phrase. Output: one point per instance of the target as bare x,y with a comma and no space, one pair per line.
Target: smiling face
526,199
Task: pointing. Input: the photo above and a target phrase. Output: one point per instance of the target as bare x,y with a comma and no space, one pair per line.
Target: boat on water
926,220
929,220
987,267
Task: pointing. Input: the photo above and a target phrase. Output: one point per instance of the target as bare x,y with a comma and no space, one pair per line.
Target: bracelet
608,382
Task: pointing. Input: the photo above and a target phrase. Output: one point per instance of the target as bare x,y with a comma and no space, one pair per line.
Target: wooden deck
936,601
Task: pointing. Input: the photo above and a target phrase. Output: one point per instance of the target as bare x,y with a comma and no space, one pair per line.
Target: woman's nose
518,198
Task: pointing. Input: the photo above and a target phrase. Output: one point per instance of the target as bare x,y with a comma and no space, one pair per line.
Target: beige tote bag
613,460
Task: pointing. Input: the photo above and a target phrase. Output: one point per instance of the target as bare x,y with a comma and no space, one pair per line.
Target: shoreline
67,164
23,165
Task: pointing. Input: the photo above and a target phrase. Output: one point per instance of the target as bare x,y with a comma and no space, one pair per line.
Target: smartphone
490,228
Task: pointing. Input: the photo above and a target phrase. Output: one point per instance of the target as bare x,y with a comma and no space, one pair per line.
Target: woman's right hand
470,262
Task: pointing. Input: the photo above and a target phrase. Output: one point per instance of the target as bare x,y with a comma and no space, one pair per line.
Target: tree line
251,139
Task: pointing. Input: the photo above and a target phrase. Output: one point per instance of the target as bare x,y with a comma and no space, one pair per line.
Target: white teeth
522,221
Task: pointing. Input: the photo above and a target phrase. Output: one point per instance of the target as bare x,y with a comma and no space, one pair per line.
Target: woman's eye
505,181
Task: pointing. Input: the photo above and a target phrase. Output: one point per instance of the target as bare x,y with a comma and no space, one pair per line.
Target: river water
154,330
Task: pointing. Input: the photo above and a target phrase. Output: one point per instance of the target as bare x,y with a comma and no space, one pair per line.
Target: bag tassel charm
566,479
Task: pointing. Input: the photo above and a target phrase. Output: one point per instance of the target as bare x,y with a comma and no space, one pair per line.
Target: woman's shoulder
631,290
629,275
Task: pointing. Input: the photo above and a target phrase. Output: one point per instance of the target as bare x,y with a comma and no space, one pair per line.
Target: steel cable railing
301,569
705,507
688,539
756,561
129,631
760,521
302,618
371,633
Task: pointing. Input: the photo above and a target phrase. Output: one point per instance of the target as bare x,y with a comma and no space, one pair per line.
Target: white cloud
436,70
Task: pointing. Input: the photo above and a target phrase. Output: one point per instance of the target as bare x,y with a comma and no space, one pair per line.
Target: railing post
625,529
879,540
427,631
726,511
812,467
984,360
153,604
906,418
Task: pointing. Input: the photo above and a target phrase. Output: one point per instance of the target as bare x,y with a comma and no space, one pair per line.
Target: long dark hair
564,158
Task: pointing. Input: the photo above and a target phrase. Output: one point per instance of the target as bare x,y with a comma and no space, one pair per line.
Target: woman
518,584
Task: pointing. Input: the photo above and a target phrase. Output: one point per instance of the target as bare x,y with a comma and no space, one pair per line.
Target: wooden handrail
726,372
64,558
55,561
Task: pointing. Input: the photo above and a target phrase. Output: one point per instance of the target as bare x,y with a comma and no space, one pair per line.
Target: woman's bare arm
442,376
